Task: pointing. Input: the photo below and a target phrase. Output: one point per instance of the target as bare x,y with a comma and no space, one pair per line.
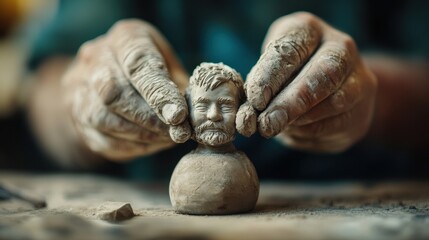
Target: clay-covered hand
311,86
124,92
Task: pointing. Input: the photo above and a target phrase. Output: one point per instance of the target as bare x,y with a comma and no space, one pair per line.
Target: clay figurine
215,178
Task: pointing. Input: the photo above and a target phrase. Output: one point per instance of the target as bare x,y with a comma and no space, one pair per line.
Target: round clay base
214,184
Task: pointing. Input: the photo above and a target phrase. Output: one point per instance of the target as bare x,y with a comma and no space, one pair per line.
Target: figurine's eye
227,108
201,107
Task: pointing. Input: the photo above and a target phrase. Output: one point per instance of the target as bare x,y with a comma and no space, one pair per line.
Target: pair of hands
310,88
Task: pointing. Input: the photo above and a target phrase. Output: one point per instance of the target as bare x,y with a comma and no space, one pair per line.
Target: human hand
311,86
124,92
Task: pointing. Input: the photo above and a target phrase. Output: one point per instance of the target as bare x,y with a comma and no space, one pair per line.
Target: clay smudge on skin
279,62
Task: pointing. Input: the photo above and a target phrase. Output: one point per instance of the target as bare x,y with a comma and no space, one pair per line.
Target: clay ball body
214,183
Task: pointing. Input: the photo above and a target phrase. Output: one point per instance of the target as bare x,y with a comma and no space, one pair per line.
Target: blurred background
20,21
232,32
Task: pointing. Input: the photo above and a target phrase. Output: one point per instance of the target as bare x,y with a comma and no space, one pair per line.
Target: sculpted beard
213,134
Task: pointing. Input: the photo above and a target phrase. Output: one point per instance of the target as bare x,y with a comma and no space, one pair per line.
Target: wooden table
285,210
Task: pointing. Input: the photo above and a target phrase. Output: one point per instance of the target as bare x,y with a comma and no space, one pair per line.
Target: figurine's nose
214,114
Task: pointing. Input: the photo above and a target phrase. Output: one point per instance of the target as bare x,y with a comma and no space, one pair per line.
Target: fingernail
173,114
273,123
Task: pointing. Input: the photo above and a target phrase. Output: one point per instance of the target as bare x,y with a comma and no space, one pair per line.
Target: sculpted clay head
214,95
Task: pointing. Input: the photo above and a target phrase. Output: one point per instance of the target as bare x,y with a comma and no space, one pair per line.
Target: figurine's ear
190,108
242,94
188,98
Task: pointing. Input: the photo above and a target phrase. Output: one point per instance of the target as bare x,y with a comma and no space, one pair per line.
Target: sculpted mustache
211,125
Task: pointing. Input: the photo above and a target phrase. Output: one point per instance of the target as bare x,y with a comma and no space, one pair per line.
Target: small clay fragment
115,211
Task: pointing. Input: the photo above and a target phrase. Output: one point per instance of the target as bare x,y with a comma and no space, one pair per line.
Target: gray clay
215,178
217,183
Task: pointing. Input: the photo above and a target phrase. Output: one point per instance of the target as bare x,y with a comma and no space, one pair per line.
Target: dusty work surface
284,211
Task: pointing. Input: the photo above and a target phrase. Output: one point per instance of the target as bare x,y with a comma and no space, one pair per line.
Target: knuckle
338,100
97,147
348,43
90,48
354,85
85,51
290,50
279,23
108,122
133,59
142,114
304,100
307,18
302,17
139,56
107,87
101,146
128,25
307,23
99,119
303,20
148,117
334,67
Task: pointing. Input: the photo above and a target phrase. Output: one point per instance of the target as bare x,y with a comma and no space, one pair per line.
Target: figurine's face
213,113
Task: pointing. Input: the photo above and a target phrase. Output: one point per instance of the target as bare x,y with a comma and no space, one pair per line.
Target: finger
117,149
90,49
100,118
85,115
333,134
121,98
320,77
120,128
144,65
293,42
174,66
335,144
326,127
341,101
180,133
245,121
113,88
